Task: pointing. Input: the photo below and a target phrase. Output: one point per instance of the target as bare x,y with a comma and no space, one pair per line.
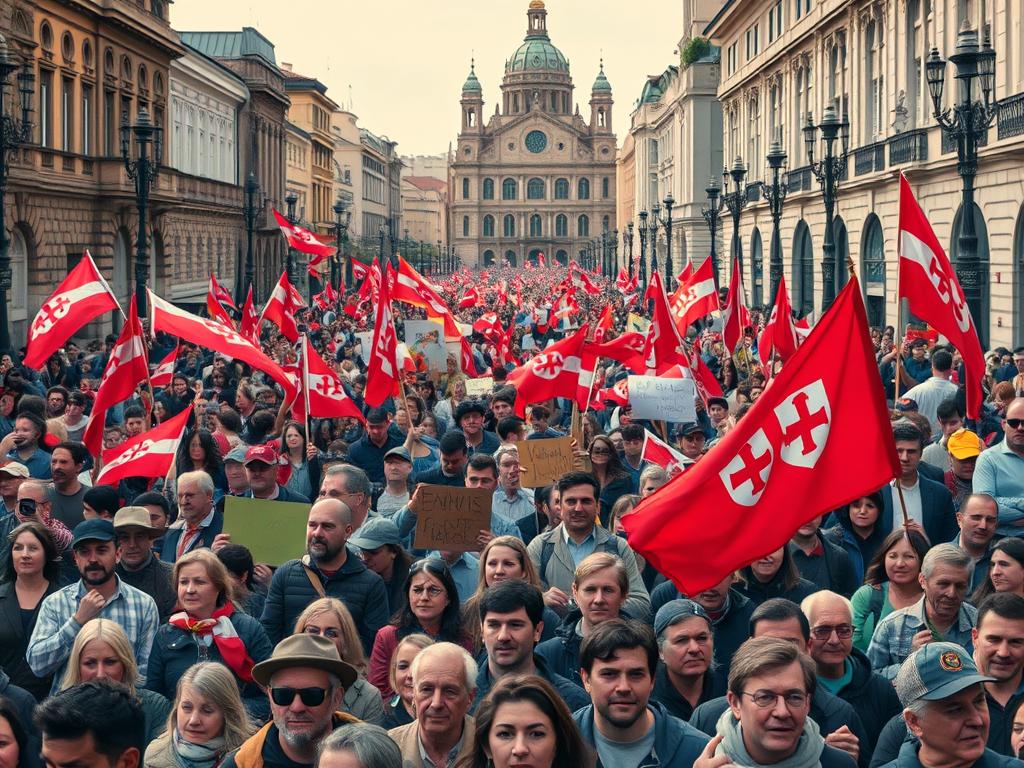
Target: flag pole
897,346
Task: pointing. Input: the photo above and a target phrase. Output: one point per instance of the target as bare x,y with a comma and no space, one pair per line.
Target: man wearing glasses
1000,472
305,680
844,670
771,684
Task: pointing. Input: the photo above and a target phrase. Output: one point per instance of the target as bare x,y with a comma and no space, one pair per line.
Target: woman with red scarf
208,626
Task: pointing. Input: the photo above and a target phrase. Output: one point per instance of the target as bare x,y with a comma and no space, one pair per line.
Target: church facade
536,178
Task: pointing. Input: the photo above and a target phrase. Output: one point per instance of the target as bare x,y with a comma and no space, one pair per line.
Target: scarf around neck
206,755
228,643
807,754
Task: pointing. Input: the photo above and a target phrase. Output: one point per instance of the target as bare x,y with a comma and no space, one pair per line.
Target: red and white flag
555,372
663,346
382,373
618,393
656,451
168,318
250,326
687,272
779,336
323,395
164,371
735,318
126,369
582,280
466,359
695,297
929,284
303,240
147,455
410,287
469,299
627,348
219,294
604,324
214,304
280,309
82,297
489,326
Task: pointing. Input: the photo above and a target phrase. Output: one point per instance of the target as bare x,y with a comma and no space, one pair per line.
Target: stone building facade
781,61
536,178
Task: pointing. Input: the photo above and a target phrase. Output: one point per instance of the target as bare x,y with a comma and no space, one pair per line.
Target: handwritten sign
479,387
274,531
544,461
451,518
653,397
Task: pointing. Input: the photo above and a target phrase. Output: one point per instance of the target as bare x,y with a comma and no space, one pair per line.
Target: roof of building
472,84
293,81
231,45
537,52
427,183
601,84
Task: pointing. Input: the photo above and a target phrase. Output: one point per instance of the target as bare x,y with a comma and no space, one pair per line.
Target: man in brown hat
136,563
305,680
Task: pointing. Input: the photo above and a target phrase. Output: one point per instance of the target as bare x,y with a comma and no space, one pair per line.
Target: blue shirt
38,464
890,644
1000,473
465,573
516,508
579,551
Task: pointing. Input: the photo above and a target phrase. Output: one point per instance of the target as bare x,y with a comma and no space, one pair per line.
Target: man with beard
305,680
623,726
29,431
999,471
328,569
98,594
66,464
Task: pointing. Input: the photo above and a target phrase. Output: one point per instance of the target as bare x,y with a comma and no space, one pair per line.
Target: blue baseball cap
937,671
97,529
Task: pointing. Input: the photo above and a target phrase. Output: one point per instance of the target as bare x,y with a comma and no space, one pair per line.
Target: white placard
426,338
365,344
479,387
654,397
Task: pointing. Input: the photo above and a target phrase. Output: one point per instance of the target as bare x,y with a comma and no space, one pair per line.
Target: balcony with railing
799,179
908,147
1010,116
949,142
869,159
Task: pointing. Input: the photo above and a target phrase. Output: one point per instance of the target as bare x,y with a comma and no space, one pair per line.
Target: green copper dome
601,84
472,84
537,53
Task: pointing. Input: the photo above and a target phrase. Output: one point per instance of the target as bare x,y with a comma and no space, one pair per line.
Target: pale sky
406,60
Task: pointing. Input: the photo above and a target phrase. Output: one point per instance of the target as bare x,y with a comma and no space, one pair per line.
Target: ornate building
537,178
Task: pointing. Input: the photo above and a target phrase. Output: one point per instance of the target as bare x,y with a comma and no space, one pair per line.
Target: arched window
562,258
561,225
465,189
535,189
488,189
511,258
583,226
488,226
509,225
465,226
583,189
803,271
873,271
509,189
756,269
488,258
561,189
842,251
536,230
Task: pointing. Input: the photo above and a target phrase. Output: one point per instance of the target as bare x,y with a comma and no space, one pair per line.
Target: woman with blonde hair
208,720
504,558
329,617
102,651
399,709
208,627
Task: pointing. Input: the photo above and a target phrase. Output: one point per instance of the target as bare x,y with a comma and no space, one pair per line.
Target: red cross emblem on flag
52,311
222,330
548,365
136,452
328,388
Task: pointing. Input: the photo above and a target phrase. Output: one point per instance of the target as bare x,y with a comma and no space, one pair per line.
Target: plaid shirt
890,645
56,628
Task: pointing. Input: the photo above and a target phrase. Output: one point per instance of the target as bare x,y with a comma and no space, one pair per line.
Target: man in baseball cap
964,448
234,470
305,680
136,563
261,467
691,439
12,475
686,648
943,696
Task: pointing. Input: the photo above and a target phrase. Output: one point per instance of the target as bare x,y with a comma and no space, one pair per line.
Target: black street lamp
143,171
652,236
342,218
711,216
289,266
735,201
966,123
775,194
438,255
643,249
828,171
614,254
251,210
381,232
627,237
666,222
13,133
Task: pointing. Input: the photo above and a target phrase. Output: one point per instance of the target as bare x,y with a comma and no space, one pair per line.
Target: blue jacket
562,652
572,694
169,552
939,517
676,744
730,630
908,759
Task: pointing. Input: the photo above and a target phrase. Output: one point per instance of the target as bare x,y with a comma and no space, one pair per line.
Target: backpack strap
314,580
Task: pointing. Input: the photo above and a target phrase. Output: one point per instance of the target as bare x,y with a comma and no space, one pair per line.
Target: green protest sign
274,531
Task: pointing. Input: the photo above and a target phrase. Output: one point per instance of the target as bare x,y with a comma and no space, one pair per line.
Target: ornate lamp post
627,237
711,215
252,207
381,232
967,123
143,171
13,133
669,201
652,235
614,254
735,201
342,218
438,257
775,194
828,171
290,200
643,249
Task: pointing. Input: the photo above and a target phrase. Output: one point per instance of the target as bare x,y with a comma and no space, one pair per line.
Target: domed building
536,178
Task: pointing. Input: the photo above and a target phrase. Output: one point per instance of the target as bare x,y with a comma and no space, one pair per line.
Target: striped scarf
228,643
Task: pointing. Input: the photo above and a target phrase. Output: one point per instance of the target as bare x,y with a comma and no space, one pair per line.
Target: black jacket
24,704
562,652
832,570
730,629
677,744
572,694
154,579
14,640
871,695
666,694
939,517
760,593
361,590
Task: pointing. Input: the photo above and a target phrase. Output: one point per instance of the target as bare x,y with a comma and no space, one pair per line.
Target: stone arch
488,258
512,258
562,257
872,270
756,269
803,270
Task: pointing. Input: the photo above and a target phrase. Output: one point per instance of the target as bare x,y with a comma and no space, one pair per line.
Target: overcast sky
405,60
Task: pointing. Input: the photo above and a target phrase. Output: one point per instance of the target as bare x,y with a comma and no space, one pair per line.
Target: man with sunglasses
305,680
999,472
844,670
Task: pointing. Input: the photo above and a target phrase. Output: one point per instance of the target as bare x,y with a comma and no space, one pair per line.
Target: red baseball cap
266,453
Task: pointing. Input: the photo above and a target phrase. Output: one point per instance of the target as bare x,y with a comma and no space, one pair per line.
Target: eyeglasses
765,699
311,697
1015,423
330,632
824,632
432,592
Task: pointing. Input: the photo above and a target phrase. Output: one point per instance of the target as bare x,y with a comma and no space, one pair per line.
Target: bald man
330,568
844,670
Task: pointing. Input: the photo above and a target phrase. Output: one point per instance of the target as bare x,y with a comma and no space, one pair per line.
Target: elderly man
330,568
12,475
305,680
999,472
978,518
261,465
350,484
443,678
136,564
198,522
844,670
943,695
940,614
684,679
771,686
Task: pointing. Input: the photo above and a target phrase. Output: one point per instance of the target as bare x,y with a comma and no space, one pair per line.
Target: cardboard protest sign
544,461
479,387
653,397
274,531
450,518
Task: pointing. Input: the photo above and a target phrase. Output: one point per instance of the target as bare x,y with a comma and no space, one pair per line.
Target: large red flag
687,273
410,287
733,318
466,359
126,369
604,324
166,317
799,452
303,240
627,348
933,293
219,294
382,371
280,309
470,298
164,371
489,326
323,394
82,297
779,336
147,455
695,297
663,346
555,372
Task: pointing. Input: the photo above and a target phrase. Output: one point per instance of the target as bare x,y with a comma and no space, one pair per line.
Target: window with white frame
753,42
753,133
731,60
913,98
874,46
775,21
